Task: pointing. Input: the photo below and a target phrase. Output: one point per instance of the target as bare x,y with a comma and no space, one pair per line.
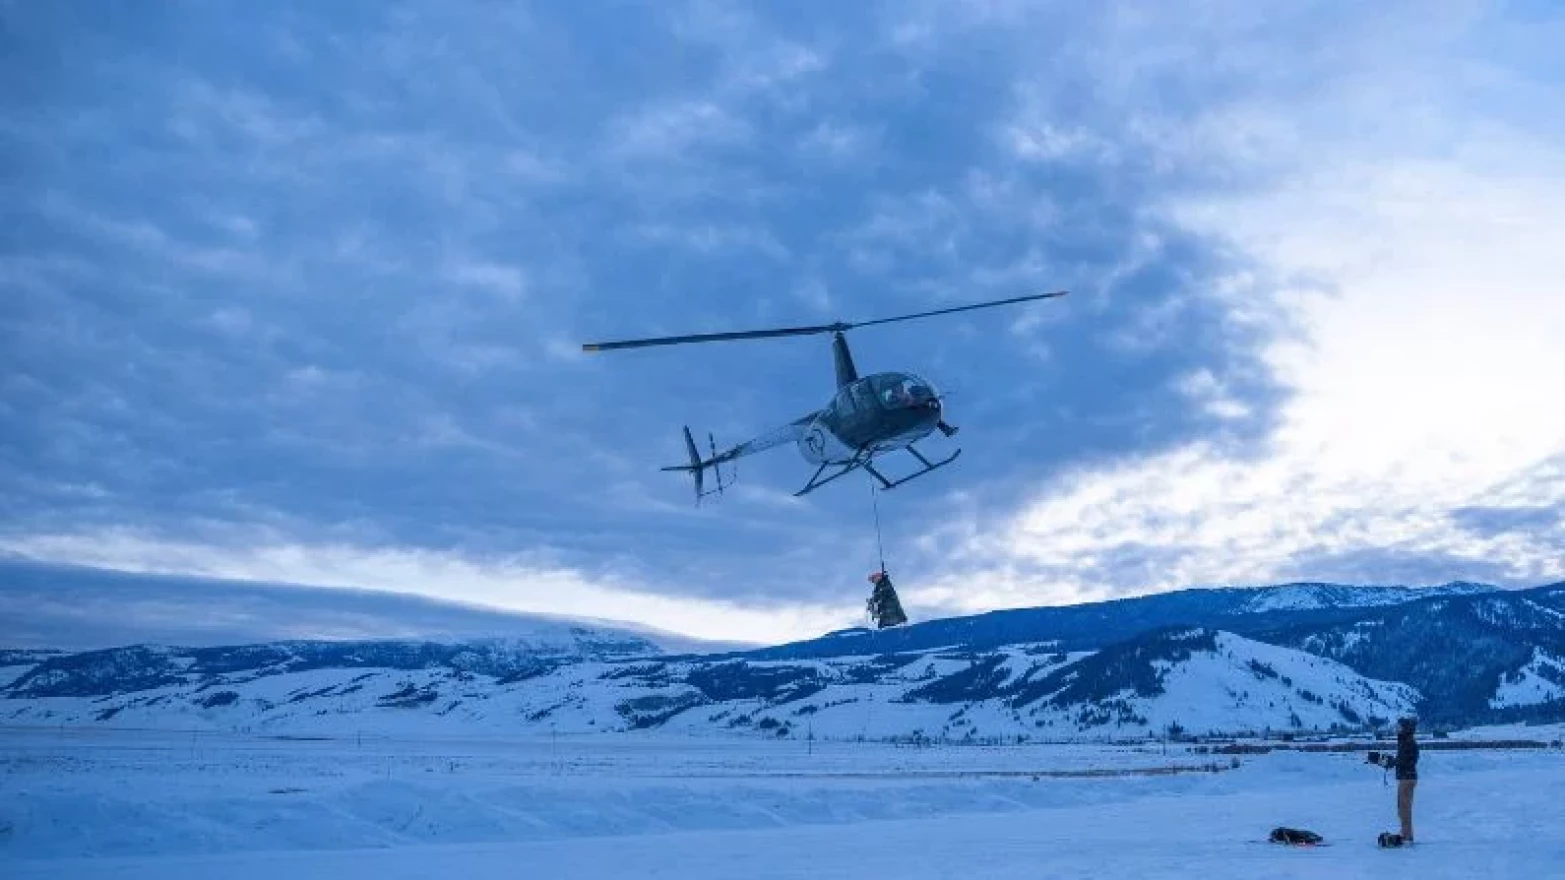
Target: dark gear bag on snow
1295,837
1388,839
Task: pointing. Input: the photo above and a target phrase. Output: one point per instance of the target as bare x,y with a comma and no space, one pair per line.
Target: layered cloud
297,293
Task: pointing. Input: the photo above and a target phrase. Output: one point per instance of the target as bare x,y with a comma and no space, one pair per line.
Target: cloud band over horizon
296,292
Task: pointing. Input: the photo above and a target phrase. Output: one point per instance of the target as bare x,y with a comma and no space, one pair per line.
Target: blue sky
296,292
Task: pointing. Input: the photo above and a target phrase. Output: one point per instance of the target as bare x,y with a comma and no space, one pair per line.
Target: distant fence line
1445,745
1246,743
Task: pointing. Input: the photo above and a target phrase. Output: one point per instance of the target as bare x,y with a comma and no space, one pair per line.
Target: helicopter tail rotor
697,467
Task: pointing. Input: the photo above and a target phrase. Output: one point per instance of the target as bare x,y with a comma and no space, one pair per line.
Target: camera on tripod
1379,760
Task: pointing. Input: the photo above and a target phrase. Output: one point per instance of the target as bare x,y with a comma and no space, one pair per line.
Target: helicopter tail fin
697,468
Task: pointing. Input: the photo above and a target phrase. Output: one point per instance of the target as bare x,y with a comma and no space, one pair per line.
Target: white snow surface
99,802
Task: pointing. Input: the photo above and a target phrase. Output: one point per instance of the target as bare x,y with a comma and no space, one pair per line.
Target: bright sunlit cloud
515,583
1419,442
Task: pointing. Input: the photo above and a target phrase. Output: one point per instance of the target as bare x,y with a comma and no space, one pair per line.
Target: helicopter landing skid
929,466
843,470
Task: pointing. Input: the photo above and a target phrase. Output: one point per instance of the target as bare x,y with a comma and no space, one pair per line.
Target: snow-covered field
99,802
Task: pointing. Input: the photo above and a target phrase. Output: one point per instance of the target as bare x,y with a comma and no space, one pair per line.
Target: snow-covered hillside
1235,684
1197,681
1478,659
1541,680
1305,657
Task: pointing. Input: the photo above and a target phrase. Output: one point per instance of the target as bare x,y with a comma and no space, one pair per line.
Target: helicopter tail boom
698,467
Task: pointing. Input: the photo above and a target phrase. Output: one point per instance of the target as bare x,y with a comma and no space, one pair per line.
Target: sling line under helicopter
883,607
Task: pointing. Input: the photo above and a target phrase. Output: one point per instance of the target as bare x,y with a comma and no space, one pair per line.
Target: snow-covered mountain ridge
143,667
1315,596
1459,651
1294,661
1244,610
1197,681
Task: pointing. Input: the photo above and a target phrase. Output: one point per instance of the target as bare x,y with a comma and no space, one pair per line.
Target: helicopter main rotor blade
968,308
712,337
838,327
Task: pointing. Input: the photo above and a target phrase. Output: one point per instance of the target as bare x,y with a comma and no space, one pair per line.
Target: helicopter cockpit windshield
902,391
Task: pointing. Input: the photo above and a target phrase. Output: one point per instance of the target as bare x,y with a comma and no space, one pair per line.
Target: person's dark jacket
1406,762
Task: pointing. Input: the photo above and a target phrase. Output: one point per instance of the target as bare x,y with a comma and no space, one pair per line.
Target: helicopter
870,416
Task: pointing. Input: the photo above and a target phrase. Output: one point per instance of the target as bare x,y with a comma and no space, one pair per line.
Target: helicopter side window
863,397
899,392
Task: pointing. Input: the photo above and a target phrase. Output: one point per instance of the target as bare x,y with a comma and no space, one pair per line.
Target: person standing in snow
1406,765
